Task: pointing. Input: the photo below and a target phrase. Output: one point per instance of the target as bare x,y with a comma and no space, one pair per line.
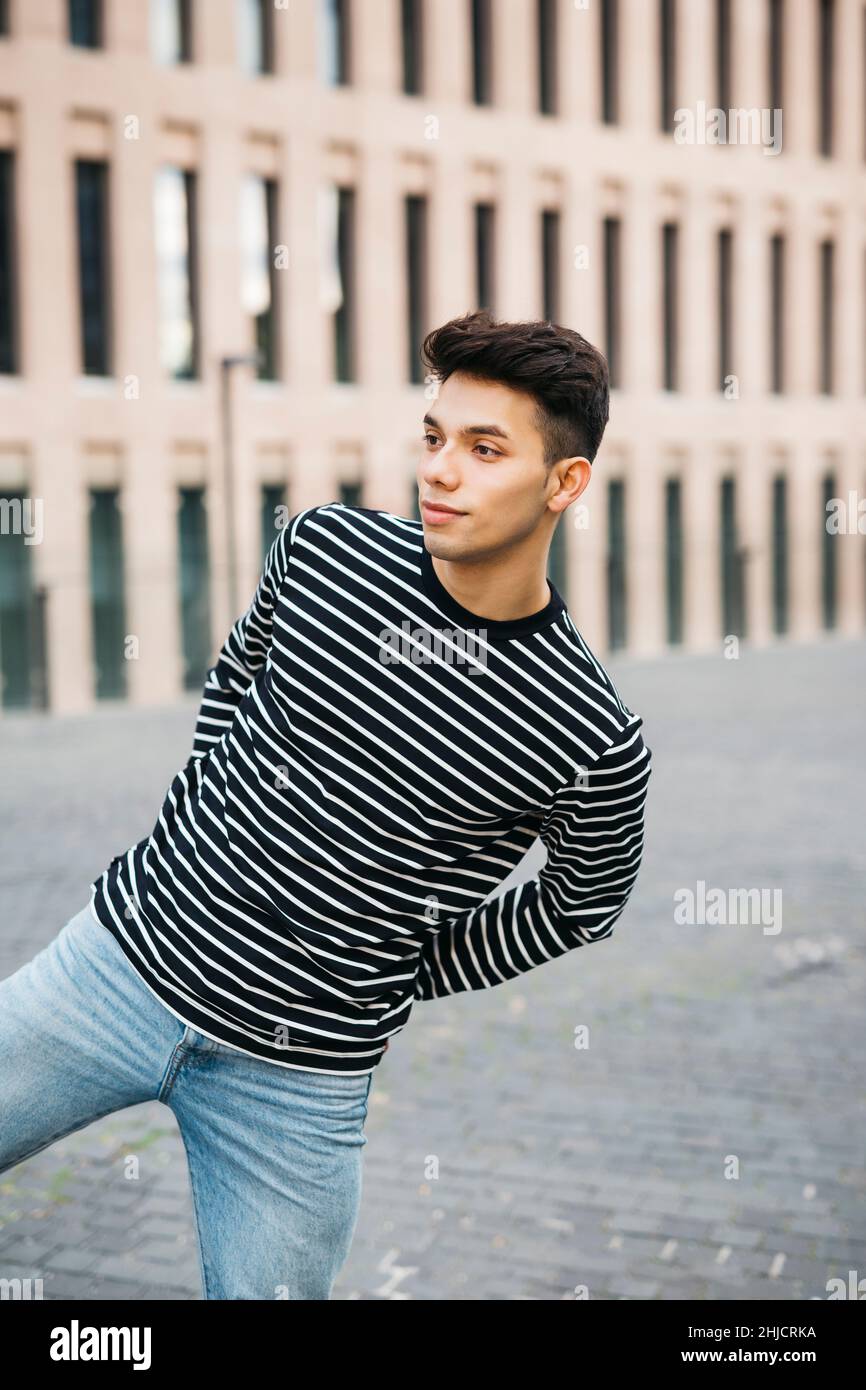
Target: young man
402,710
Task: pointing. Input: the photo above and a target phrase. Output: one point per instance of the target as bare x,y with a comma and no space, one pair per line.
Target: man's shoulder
596,690
350,528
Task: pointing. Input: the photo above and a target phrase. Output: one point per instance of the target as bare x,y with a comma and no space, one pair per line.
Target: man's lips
438,511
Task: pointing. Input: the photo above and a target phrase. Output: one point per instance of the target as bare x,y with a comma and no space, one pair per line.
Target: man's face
483,457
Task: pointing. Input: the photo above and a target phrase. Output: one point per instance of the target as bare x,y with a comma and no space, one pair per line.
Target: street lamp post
227,364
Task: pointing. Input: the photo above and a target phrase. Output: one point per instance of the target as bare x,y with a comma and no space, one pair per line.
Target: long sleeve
593,831
245,649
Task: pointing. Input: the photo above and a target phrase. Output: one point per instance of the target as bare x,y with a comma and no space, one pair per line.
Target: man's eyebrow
496,430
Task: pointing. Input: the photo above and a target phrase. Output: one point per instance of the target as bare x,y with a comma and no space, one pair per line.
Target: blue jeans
274,1154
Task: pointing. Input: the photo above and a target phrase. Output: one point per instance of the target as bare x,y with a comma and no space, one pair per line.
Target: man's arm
594,836
245,649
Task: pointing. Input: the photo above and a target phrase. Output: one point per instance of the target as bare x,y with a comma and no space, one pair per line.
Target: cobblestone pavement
505,1162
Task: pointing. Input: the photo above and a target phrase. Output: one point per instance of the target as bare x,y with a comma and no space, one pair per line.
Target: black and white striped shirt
370,761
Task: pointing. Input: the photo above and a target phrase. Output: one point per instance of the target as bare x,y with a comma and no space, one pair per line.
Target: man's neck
501,589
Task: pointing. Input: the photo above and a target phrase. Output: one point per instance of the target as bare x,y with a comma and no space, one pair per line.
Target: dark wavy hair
565,374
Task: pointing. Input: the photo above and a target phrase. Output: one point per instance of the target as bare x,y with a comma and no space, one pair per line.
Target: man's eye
425,438
491,453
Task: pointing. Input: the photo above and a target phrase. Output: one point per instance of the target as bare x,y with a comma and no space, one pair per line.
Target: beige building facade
545,167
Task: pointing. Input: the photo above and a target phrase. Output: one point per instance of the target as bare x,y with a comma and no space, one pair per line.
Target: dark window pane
732,558
194,574
723,54
91,184
826,58
85,23
612,297
8,286
616,565
557,560
826,317
829,551
484,256
667,62
415,506
674,559
670,300
412,27
22,620
273,512
775,54
107,594
550,265
481,19
344,317
547,51
416,281
777,313
609,33
725,305
780,555
352,494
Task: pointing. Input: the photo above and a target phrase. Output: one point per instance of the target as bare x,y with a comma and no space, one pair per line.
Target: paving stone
548,1155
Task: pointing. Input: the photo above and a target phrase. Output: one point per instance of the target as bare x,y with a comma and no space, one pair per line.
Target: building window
85,23
667,62
412,30
416,282
352,494
780,555
481,20
91,200
612,298
826,318
273,515
107,603
733,605
550,265
776,54
723,54
194,574
175,210
8,287
826,14
547,52
23,674
255,28
674,559
334,44
670,306
345,368
616,564
171,31
725,304
259,275
484,256
557,559
828,556
609,34
777,313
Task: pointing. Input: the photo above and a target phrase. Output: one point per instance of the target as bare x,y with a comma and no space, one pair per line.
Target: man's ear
573,475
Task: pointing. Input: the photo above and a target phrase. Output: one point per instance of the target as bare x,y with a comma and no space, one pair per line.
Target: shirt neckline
510,627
